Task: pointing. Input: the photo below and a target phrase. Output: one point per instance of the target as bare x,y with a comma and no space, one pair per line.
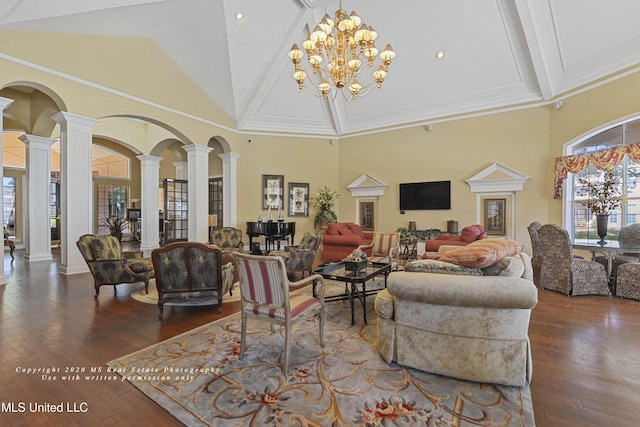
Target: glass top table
609,250
352,280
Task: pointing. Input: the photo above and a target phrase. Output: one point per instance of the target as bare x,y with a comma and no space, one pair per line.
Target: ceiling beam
535,47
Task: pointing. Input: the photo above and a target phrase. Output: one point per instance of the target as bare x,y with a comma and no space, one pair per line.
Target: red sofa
341,238
469,234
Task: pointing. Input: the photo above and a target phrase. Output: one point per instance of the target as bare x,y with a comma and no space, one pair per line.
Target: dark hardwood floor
586,351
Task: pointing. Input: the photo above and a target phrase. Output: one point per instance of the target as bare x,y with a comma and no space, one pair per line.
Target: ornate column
38,179
198,175
4,103
150,178
229,188
76,188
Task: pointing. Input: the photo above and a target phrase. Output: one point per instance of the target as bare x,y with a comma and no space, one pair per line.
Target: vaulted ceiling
499,54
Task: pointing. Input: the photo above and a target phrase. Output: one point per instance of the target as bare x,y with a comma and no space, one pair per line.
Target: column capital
198,149
149,159
63,118
5,102
227,156
36,140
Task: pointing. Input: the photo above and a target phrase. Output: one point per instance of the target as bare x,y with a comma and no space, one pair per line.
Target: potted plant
404,233
603,197
325,202
116,226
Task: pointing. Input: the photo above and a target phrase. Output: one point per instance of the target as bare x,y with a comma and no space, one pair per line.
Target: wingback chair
109,265
560,271
384,248
265,296
190,271
536,251
227,239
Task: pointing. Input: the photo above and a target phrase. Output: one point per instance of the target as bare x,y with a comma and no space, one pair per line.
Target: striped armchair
264,290
384,248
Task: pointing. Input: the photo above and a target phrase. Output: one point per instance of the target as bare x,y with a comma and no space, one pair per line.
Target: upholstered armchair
227,239
468,234
301,257
384,248
536,251
628,239
188,271
560,271
109,265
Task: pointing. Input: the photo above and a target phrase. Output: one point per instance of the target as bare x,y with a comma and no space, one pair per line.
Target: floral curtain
603,160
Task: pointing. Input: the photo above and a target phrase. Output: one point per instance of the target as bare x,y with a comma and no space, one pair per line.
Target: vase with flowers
604,196
325,202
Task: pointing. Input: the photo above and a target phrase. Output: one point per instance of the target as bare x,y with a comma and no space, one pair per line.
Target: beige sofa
468,327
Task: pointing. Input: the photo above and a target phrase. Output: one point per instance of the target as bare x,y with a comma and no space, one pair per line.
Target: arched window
581,222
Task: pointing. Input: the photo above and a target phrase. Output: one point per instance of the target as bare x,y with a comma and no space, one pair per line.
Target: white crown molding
513,182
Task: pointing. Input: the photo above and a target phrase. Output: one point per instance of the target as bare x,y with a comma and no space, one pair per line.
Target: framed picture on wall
366,216
494,216
272,191
298,199
133,214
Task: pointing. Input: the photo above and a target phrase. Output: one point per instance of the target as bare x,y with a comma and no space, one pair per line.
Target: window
582,222
9,204
112,201
215,198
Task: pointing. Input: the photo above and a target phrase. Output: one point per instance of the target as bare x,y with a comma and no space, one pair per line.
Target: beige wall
525,140
314,161
454,151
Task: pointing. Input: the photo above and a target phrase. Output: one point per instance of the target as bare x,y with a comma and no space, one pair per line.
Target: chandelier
336,50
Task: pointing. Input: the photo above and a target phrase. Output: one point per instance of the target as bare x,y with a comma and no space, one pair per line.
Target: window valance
603,160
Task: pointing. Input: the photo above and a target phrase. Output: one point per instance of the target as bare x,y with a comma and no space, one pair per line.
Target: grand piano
274,232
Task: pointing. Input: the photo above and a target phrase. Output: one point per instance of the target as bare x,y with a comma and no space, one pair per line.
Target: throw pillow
483,253
344,231
332,229
508,266
471,233
435,266
430,255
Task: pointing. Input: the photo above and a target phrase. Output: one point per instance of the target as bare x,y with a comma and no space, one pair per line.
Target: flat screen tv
425,196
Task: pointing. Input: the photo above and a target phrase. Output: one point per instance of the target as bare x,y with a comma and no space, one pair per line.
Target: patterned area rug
199,379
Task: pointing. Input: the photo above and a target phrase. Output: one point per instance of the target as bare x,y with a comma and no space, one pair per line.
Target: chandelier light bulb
336,50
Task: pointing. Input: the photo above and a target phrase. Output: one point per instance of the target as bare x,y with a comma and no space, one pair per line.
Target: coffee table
351,280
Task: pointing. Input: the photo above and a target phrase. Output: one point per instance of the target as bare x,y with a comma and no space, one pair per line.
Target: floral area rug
199,378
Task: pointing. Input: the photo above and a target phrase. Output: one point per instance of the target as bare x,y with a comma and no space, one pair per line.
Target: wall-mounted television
425,196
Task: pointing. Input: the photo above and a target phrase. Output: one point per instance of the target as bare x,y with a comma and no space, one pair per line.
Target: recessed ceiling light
239,16
439,55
